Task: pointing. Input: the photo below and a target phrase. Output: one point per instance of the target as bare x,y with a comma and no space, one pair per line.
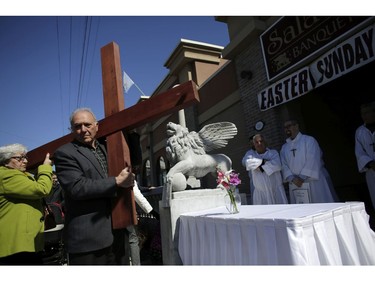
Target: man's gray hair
80,110
8,151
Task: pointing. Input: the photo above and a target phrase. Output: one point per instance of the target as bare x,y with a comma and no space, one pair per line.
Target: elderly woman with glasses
21,210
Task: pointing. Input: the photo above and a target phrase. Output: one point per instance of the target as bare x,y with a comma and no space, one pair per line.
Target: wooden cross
294,152
117,119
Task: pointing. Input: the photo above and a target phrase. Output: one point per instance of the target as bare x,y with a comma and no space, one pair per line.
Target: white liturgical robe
365,152
267,180
302,157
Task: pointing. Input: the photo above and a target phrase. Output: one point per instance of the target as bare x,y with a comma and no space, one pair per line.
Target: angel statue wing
216,135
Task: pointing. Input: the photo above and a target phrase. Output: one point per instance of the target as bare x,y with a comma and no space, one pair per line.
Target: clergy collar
260,154
298,136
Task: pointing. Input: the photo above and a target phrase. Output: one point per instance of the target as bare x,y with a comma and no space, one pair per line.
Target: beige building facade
219,101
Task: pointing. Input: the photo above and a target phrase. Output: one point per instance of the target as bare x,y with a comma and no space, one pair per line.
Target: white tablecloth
294,234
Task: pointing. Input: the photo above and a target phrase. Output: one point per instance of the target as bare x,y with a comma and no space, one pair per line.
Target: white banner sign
344,58
289,88
349,55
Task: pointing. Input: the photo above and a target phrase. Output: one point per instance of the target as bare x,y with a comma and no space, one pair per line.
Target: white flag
128,82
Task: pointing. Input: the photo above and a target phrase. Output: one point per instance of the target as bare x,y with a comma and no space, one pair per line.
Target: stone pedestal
183,202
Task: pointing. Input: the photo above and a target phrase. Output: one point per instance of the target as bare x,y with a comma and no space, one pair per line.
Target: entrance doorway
331,114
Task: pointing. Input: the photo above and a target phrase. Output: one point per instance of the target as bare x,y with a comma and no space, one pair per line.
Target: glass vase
232,202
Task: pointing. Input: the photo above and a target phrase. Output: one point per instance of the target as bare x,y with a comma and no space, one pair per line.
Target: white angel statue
186,151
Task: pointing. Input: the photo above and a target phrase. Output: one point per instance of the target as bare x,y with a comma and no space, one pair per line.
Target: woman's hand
47,160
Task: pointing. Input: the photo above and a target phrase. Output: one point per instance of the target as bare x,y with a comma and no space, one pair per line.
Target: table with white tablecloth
291,234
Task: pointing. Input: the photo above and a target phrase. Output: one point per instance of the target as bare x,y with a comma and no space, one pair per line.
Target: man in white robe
303,168
264,167
365,147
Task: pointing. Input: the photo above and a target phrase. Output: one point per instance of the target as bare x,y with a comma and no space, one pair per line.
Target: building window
147,173
161,171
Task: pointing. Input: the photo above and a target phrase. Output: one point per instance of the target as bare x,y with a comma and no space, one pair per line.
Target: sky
50,65
50,57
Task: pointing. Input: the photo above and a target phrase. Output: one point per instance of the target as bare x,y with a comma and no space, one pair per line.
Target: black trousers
120,246
117,254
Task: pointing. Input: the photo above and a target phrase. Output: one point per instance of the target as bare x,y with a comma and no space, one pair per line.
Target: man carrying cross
117,153
82,169
302,163
365,147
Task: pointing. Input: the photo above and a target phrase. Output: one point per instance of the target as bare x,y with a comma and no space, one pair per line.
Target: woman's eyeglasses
20,158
